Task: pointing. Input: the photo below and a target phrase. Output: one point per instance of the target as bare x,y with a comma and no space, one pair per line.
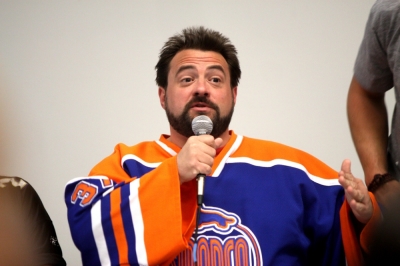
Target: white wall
77,77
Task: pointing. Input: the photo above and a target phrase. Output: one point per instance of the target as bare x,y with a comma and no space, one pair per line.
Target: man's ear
234,94
161,95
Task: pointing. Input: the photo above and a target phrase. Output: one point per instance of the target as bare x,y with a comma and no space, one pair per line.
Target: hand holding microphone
201,125
197,155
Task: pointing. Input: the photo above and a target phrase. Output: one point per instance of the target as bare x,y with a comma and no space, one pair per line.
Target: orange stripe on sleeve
118,226
167,230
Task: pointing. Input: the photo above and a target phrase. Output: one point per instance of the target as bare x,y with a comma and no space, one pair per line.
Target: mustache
201,99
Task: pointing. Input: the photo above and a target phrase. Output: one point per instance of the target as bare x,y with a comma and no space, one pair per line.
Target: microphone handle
200,180
200,188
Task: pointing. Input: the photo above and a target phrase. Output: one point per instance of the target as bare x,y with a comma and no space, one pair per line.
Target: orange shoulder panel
269,150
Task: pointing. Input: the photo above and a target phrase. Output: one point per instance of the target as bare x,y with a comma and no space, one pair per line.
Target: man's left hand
356,193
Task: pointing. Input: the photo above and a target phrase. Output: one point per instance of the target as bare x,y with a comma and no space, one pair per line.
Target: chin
207,113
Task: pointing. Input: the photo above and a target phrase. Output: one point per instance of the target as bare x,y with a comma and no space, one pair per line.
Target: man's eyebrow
217,67
183,68
186,67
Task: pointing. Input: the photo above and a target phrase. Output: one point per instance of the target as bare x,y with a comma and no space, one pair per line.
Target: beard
183,122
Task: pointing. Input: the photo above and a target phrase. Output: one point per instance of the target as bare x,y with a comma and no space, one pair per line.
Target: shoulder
265,150
15,185
271,147
19,192
151,151
384,13
12,181
124,148
385,6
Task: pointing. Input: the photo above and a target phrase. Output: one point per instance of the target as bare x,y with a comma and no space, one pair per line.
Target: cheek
225,100
173,102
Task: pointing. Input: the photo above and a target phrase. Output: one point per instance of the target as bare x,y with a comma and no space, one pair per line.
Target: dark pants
385,249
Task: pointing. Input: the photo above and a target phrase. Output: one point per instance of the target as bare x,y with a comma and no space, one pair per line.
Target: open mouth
200,105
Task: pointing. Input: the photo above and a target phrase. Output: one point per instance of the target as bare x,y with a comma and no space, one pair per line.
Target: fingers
203,149
360,204
197,156
208,140
362,211
353,186
218,142
346,166
346,178
356,193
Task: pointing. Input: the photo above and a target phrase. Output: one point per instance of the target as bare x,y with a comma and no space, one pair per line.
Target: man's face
198,84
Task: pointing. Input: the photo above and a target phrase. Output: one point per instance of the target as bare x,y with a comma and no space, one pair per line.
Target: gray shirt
377,66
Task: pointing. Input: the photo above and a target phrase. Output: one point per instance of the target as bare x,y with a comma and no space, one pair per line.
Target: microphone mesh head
201,125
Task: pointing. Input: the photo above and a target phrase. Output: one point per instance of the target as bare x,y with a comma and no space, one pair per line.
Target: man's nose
202,88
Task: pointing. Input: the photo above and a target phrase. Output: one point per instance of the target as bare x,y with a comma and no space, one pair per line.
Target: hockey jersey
264,204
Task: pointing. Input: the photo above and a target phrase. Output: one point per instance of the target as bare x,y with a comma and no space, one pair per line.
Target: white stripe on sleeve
99,238
137,219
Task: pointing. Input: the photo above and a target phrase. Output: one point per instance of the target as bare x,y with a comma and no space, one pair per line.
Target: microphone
201,125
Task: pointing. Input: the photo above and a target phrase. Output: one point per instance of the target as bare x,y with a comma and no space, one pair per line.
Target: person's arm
27,234
146,220
368,123
46,246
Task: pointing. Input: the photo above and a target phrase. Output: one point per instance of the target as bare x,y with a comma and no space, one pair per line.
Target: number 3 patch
84,191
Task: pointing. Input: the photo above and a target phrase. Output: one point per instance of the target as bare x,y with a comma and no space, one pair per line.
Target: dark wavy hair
198,38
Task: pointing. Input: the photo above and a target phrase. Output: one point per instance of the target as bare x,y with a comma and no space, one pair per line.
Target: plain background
77,77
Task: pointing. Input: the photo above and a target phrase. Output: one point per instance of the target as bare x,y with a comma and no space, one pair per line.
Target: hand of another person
356,193
197,156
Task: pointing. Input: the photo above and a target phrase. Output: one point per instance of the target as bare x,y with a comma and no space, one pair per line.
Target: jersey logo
222,241
84,191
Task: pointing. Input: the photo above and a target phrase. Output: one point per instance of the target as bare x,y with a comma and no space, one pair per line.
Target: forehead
197,57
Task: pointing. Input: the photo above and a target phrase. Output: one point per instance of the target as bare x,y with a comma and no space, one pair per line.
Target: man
264,203
376,71
27,235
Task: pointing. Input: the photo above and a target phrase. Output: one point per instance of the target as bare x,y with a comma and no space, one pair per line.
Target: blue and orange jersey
265,203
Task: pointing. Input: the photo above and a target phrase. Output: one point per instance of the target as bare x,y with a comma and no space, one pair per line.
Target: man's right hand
197,156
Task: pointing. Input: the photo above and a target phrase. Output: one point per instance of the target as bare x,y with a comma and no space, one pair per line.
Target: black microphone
201,125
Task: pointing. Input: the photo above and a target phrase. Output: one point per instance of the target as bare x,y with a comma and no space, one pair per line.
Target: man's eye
187,80
216,80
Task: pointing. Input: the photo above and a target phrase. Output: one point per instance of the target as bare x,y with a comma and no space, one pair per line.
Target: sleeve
372,69
30,235
45,240
355,245
118,220
322,202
